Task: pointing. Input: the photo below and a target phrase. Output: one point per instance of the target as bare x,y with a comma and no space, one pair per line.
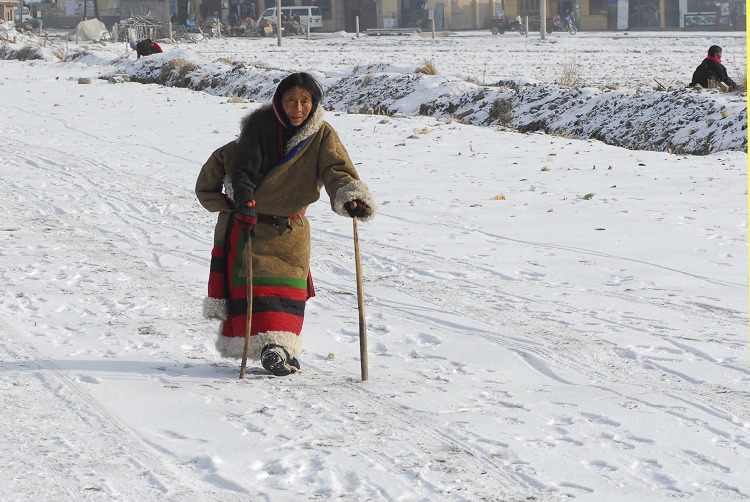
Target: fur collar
311,127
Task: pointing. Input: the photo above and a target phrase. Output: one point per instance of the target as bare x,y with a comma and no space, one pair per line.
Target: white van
305,13
23,14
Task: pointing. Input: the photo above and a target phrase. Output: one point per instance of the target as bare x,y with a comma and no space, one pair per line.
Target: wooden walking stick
360,304
248,257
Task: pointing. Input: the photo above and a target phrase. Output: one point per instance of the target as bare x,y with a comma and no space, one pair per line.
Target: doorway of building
644,14
611,15
672,13
439,16
563,7
211,8
367,12
413,14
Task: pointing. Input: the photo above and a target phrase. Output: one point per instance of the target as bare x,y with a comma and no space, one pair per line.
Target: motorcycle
500,25
191,26
571,25
558,23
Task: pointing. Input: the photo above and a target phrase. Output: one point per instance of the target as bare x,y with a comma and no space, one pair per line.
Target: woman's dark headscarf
304,80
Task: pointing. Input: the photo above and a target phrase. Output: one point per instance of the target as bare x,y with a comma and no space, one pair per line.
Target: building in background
342,15
9,9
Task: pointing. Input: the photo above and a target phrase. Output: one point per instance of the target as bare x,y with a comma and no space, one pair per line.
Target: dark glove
247,216
356,208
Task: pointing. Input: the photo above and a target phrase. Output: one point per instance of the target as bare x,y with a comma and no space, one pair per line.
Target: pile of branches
180,34
144,27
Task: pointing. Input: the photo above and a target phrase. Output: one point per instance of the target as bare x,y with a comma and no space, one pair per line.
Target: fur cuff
355,189
215,308
232,347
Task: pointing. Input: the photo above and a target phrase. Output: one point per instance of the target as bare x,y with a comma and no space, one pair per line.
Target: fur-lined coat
283,184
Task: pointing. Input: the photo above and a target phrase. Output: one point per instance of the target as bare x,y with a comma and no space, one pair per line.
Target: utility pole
278,22
543,15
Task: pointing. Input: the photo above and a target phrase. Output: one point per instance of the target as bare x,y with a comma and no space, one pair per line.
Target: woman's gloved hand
247,216
356,208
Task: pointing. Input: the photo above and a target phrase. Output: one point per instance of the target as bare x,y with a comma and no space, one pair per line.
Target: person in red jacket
145,47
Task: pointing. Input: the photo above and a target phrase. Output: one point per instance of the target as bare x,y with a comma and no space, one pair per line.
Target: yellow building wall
588,21
592,23
447,10
509,6
457,14
387,9
7,10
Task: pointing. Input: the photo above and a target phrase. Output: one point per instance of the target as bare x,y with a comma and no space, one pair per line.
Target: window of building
325,8
597,7
528,8
644,14
701,6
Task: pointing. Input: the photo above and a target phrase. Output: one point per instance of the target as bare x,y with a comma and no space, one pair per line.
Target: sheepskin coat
282,183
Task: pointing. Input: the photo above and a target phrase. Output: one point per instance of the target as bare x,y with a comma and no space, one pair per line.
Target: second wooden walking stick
360,304
248,257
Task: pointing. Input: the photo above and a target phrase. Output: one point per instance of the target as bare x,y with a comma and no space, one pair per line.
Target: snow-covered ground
620,88
548,318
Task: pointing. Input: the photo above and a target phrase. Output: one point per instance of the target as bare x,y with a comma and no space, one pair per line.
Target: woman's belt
282,223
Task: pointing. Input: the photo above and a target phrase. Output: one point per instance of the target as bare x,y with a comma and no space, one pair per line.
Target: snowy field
548,319
619,60
604,86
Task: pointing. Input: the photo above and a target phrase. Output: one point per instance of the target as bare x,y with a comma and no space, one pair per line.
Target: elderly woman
261,185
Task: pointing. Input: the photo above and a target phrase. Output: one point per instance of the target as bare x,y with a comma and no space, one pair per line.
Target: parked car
299,13
23,15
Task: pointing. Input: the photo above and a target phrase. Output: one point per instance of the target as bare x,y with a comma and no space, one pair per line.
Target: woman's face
297,103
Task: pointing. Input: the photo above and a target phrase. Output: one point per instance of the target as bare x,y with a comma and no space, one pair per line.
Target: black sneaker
276,360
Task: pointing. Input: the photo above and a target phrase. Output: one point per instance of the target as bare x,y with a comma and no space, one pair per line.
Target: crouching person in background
145,47
711,73
261,186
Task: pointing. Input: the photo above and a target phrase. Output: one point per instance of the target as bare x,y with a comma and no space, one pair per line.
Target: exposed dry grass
428,68
181,67
741,72
572,75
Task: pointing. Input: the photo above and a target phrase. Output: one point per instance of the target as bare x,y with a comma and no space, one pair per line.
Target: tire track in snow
451,456
85,182
562,353
90,181
543,344
574,351
403,437
71,433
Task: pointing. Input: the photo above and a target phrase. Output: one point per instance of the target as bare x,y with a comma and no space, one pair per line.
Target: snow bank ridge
682,121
